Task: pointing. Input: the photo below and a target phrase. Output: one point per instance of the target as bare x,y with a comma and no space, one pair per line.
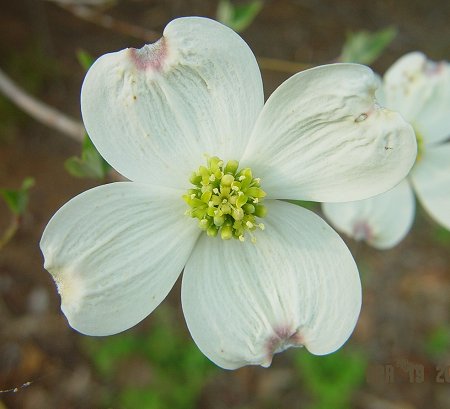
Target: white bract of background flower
115,251
420,90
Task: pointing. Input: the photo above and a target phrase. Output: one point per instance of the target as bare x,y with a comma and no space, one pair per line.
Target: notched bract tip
150,56
282,339
432,68
70,288
362,231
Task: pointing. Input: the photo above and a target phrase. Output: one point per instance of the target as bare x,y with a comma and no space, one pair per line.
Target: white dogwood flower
284,278
420,90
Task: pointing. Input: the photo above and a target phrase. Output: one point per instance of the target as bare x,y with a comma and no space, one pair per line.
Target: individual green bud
236,185
237,213
219,220
231,167
203,172
225,190
247,173
226,232
215,200
227,180
195,179
248,208
204,224
212,231
226,208
260,211
207,188
214,164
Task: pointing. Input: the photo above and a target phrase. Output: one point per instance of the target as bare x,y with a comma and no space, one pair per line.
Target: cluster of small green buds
226,200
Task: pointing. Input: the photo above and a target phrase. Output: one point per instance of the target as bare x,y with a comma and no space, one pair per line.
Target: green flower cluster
226,200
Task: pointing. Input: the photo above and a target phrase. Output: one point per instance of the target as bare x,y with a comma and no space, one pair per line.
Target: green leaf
238,17
442,235
438,341
365,47
332,379
142,398
179,369
17,200
90,165
85,59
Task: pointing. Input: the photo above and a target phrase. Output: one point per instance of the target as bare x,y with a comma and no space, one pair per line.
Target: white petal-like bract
153,113
297,286
322,137
431,180
420,90
382,221
115,251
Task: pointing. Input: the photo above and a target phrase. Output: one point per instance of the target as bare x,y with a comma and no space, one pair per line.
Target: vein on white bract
115,251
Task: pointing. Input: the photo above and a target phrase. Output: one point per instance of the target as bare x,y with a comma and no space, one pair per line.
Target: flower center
226,200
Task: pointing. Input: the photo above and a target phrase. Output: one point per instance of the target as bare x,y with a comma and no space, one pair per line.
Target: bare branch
17,388
111,23
273,64
40,111
9,234
93,16
83,2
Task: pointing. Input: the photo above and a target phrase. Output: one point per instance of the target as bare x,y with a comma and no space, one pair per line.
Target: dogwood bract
420,90
185,120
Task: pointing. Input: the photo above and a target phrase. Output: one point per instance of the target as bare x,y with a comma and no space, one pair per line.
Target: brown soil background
406,289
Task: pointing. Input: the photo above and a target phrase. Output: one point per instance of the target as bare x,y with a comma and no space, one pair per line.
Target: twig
111,23
40,111
17,388
84,2
9,232
73,128
93,16
273,64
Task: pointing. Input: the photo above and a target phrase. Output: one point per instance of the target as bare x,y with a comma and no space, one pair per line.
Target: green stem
10,232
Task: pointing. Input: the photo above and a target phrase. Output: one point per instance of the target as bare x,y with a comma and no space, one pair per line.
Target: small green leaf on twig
365,47
238,17
17,200
89,165
85,59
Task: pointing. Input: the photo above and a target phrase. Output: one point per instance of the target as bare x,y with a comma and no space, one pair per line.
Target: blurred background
399,354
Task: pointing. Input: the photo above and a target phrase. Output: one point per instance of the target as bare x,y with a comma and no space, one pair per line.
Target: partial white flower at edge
420,90
286,279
